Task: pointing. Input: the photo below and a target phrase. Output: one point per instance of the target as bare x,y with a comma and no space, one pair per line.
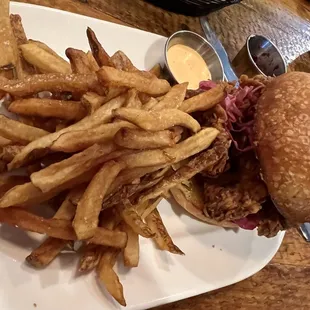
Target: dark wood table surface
285,282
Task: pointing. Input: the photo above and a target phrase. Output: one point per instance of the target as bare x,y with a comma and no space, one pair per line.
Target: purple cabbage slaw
240,108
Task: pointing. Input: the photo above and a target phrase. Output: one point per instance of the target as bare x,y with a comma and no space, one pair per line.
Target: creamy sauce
187,65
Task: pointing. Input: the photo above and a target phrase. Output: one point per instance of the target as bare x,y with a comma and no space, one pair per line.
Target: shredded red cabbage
240,110
250,222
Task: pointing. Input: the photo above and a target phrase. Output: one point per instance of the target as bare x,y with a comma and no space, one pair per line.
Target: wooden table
285,282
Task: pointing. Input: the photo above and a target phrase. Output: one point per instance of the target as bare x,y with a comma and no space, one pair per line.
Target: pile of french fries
100,141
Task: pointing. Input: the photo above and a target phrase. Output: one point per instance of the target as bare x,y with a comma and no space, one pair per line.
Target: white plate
214,257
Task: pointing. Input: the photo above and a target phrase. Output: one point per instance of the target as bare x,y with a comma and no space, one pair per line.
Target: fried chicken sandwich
264,180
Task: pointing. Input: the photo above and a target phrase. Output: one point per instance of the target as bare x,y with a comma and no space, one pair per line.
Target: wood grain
284,283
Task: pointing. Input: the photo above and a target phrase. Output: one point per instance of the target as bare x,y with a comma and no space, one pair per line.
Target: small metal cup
259,56
200,45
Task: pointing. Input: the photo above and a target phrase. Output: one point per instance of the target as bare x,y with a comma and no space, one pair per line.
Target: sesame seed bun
282,135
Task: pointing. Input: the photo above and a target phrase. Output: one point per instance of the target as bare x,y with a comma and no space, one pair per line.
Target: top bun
282,135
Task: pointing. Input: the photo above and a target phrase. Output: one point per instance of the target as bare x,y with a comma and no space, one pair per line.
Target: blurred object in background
301,63
192,7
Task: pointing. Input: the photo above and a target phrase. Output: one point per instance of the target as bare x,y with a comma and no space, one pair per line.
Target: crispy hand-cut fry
21,38
158,120
201,162
134,220
101,56
131,251
120,61
79,140
92,102
93,65
4,141
152,86
87,214
44,61
147,207
90,257
51,247
109,277
150,104
8,152
9,55
18,29
19,132
43,46
27,194
133,100
79,61
173,99
58,174
141,139
46,252
9,181
157,70
171,155
54,82
39,146
63,109
205,100
162,237
56,228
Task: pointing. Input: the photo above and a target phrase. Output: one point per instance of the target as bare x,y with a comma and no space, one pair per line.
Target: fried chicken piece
243,196
271,221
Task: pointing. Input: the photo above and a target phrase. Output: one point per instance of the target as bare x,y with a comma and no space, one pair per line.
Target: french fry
79,61
56,228
147,207
101,56
173,99
151,86
162,237
46,252
51,247
8,152
4,141
92,62
156,70
120,61
90,257
131,251
158,120
205,100
139,139
109,277
133,100
63,109
19,132
9,181
18,29
199,163
39,146
151,103
9,55
92,102
87,214
58,174
54,82
44,61
134,220
27,194
171,155
21,38
45,47
79,140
